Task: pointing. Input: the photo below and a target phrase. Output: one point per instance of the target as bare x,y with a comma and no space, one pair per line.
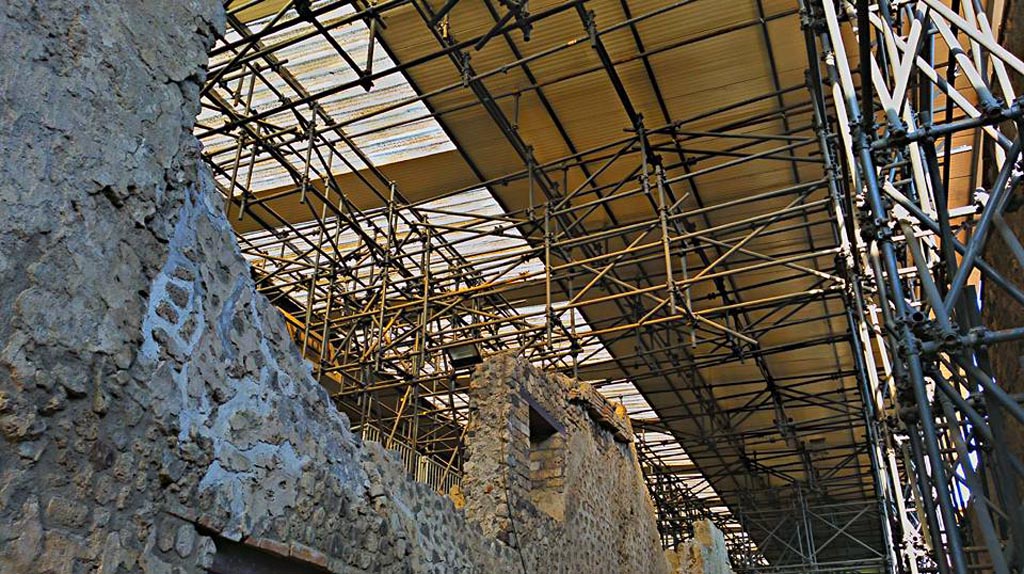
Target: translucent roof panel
591,350
314,65
463,232
625,392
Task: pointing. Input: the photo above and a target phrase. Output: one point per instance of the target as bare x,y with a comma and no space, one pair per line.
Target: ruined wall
149,398
576,497
704,553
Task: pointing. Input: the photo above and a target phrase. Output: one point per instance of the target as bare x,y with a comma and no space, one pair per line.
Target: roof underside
491,190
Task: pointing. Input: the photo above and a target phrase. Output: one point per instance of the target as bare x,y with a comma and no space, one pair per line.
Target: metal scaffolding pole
628,261
922,244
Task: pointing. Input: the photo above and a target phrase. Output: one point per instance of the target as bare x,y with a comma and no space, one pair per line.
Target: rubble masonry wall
593,509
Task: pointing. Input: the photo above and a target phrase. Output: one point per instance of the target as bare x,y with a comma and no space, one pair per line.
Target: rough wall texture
575,497
151,404
1000,310
705,553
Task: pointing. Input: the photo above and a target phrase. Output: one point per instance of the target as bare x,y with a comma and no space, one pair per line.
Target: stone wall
704,553
999,310
572,494
547,475
153,411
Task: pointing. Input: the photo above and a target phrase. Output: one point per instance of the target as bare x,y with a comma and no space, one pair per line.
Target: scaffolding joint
811,21
590,23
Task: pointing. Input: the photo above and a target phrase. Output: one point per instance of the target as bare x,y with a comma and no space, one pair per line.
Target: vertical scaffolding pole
920,262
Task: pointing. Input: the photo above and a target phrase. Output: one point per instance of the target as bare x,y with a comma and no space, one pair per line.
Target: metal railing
423,468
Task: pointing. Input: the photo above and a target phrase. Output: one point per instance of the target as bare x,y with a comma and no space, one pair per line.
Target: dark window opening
238,558
540,427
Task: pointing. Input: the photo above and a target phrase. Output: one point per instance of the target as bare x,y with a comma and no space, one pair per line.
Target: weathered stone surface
147,390
1000,310
705,553
575,497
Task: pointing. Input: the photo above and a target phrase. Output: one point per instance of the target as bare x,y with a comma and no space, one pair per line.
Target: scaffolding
944,469
776,274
